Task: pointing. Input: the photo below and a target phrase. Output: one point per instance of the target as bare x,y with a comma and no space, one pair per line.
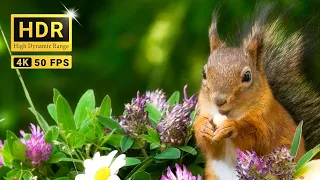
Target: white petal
90,166
88,163
114,177
84,177
105,161
96,156
117,164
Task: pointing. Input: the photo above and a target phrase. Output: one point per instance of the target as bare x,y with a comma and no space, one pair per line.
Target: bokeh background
128,45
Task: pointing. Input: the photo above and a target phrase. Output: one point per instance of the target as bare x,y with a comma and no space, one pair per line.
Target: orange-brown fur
255,120
264,127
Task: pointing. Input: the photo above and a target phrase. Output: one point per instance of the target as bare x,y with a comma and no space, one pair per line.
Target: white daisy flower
102,167
309,171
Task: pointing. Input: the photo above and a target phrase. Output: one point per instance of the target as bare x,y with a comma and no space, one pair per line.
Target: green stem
26,92
142,147
82,157
144,152
74,164
76,153
144,164
88,150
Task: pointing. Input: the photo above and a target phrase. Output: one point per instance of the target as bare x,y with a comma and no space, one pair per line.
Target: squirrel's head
233,77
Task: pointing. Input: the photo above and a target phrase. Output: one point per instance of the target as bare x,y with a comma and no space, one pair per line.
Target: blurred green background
128,45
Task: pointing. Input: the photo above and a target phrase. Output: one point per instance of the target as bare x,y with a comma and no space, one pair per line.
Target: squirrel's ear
254,47
215,42
253,44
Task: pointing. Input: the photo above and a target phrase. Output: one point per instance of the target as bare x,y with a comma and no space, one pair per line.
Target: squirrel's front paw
208,129
226,130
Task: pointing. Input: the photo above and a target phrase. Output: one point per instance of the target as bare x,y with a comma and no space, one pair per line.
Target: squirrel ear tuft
215,42
254,48
254,43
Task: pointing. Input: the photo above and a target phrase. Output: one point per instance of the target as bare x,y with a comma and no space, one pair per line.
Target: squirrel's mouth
224,112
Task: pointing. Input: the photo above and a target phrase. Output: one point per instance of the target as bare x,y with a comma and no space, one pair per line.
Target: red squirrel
237,106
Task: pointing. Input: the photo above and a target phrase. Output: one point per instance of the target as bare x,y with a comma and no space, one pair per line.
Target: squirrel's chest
225,167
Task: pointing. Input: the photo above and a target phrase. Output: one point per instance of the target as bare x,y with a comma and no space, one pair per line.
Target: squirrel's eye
204,74
246,76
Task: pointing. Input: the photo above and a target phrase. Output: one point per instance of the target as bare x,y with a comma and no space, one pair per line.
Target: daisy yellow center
102,174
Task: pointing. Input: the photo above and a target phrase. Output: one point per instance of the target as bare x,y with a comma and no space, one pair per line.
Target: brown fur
255,120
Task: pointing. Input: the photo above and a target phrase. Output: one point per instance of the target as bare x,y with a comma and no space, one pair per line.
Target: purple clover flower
281,163
1,158
38,150
157,98
250,166
136,120
173,129
278,164
181,174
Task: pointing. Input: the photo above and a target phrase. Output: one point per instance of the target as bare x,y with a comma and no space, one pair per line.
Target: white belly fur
225,168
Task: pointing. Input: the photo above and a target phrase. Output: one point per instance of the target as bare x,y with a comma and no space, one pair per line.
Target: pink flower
181,174
38,150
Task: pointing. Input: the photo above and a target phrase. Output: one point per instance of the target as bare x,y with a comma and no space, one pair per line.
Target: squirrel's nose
220,100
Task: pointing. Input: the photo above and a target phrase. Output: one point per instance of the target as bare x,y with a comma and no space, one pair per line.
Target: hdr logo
41,33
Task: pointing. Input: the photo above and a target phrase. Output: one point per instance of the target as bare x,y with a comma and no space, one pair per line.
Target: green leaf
11,138
27,175
200,159
53,112
87,101
56,94
52,134
71,160
154,145
62,178
126,143
195,170
140,167
42,122
55,158
64,116
4,170
132,161
105,107
193,115
147,138
13,174
154,114
104,139
75,139
174,99
88,130
6,155
110,124
18,164
296,140
7,158
19,150
104,149
142,175
307,157
90,114
136,145
170,153
154,135
189,149
114,140
61,157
